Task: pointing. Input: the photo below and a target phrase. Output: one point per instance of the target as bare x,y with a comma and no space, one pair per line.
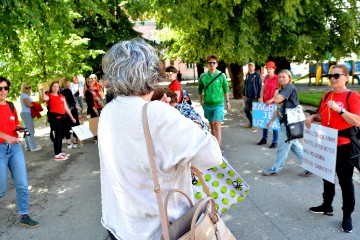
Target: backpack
11,105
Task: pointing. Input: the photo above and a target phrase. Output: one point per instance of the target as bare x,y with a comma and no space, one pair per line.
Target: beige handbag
200,222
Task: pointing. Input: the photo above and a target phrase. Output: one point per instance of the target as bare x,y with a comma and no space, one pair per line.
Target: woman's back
131,211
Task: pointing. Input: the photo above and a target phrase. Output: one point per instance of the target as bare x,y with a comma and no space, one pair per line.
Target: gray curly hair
132,68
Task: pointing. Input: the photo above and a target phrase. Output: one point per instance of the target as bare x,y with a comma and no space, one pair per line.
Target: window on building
189,65
171,62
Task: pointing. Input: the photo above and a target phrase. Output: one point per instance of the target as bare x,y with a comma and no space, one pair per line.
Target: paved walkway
65,196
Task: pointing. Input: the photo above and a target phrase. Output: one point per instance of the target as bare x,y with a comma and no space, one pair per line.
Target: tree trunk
237,79
200,70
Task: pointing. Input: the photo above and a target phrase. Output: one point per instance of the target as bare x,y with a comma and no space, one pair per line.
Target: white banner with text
320,144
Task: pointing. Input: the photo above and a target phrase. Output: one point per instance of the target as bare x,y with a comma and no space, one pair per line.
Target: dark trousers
57,125
344,171
248,108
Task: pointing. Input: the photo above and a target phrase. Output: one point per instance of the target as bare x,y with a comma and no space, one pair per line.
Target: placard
320,146
93,125
261,115
82,132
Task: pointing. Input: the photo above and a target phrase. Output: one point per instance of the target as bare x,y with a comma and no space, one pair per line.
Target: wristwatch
342,111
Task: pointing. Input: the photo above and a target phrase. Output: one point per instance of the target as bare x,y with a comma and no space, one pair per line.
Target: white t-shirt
77,87
129,206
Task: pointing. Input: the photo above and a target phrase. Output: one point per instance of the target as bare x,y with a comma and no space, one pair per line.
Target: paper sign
261,115
320,146
93,125
82,132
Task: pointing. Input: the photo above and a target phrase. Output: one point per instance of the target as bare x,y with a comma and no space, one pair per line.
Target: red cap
270,64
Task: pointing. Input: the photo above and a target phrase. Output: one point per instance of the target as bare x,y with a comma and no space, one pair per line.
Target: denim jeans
29,124
12,157
284,148
275,135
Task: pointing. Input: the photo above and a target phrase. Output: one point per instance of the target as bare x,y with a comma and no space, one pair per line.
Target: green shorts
214,112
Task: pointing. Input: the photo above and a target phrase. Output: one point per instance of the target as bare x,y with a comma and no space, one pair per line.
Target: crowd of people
132,72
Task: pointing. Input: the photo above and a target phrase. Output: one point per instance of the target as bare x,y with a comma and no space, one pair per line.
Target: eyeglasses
336,75
28,88
169,73
6,88
212,63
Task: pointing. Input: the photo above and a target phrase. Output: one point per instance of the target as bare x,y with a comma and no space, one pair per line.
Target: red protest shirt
8,121
176,86
333,119
56,103
270,85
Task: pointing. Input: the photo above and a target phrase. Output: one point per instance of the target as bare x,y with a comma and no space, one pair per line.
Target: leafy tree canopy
43,40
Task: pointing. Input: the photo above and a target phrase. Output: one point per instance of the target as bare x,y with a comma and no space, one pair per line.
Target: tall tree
45,40
239,31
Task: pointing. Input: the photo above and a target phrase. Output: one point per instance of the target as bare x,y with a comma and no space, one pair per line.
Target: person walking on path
267,96
57,108
25,114
339,109
133,70
77,89
212,90
251,92
288,97
12,156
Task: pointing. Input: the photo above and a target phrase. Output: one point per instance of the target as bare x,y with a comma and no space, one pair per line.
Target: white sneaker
38,148
70,146
60,158
75,146
64,155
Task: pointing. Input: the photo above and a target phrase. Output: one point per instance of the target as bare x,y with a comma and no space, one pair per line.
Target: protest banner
319,157
262,113
82,132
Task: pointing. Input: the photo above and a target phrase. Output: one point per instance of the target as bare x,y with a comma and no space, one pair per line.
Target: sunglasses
336,75
6,88
211,63
28,88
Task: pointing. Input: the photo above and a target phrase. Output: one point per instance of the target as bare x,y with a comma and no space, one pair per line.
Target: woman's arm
67,110
44,96
27,102
349,117
9,139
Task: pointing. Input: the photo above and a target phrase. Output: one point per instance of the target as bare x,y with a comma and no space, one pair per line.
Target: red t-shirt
56,103
8,121
176,86
336,120
270,85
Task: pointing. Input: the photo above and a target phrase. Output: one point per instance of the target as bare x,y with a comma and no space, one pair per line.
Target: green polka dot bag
224,184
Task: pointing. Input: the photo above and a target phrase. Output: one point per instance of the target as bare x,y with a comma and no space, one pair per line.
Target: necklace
329,110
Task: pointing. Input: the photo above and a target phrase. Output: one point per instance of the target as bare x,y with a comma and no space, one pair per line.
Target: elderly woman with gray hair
129,206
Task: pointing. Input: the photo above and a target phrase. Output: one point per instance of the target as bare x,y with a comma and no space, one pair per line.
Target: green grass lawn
310,98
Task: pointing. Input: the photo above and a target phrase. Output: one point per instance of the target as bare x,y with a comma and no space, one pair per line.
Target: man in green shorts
212,90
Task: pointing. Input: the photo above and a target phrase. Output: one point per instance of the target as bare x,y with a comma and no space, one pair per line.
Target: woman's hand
165,98
73,119
11,140
309,120
333,105
269,124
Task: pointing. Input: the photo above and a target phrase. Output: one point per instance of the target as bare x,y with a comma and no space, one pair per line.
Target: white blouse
129,207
